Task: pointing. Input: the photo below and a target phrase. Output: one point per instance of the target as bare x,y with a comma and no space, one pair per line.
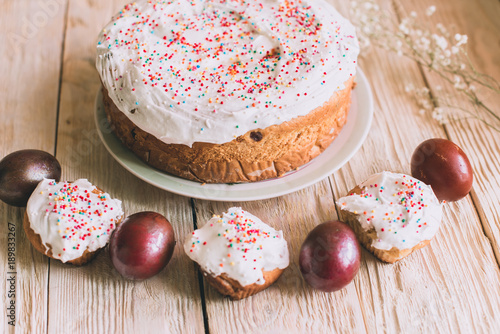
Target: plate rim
226,192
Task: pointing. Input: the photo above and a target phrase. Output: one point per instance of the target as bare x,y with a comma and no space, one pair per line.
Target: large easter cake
227,91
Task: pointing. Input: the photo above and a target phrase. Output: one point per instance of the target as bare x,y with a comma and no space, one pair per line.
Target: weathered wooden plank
393,298
31,35
478,20
446,287
94,298
289,305
452,285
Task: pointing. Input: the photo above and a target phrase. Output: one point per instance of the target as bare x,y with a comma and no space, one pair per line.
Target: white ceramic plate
335,156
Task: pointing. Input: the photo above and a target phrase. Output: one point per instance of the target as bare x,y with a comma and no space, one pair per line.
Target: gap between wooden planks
478,20
463,319
423,293
31,42
95,298
324,207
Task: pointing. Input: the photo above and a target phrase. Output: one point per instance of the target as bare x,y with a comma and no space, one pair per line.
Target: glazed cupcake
238,254
392,214
70,221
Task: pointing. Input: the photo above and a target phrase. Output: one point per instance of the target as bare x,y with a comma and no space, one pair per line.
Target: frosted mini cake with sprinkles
238,254
227,91
392,214
70,221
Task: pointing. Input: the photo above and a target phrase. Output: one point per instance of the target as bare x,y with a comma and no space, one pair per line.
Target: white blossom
446,61
458,83
403,26
438,115
461,39
440,41
368,5
423,43
440,27
409,88
435,48
364,43
365,20
431,10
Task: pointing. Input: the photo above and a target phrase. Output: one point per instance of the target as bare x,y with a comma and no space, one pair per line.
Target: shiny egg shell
21,171
443,165
142,245
330,256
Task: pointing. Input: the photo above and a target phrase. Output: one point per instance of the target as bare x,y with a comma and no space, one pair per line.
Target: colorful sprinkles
239,244
77,211
77,216
239,234
203,55
397,206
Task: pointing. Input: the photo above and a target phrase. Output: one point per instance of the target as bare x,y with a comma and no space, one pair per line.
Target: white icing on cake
403,210
209,71
239,245
71,218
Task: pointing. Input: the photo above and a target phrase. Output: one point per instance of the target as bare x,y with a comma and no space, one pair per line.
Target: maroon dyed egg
330,256
142,245
444,166
21,171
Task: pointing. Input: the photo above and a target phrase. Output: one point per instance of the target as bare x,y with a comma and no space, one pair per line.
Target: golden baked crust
257,155
366,237
36,240
232,288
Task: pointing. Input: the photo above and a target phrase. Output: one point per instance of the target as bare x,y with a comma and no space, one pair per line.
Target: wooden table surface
48,84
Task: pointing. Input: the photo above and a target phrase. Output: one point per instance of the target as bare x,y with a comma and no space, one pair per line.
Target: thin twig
442,53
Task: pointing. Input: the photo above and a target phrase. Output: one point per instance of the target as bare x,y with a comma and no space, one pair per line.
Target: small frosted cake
227,91
392,214
238,254
70,221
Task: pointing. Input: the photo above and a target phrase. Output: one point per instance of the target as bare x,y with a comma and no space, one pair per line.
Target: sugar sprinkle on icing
225,67
71,218
238,244
403,210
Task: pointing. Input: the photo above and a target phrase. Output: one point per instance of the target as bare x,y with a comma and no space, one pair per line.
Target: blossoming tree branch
436,49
